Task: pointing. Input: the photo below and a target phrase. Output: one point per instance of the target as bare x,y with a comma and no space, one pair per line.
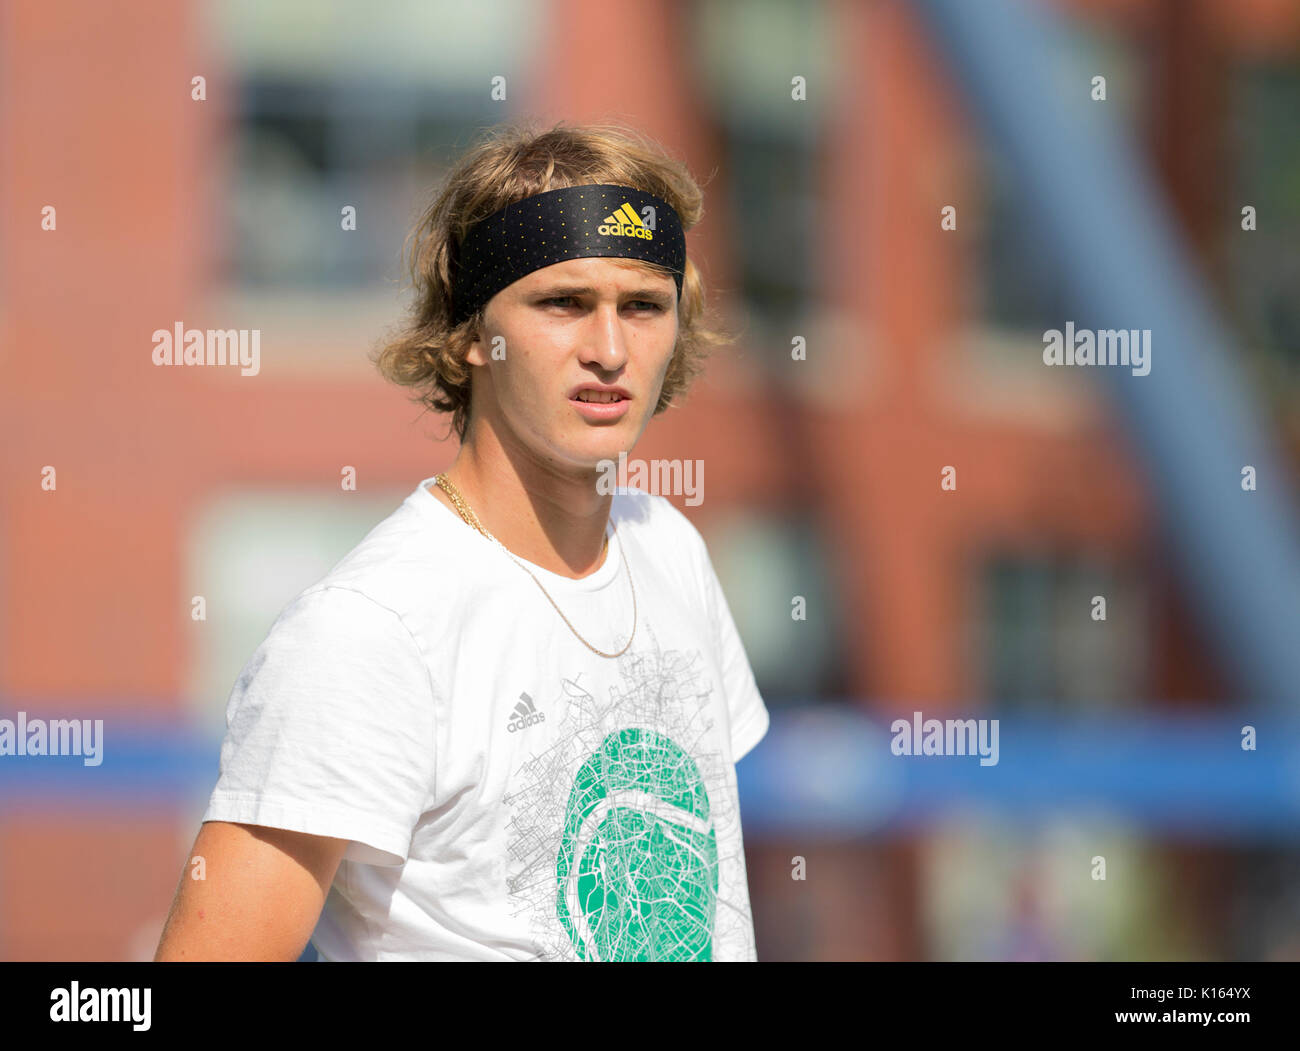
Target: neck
552,518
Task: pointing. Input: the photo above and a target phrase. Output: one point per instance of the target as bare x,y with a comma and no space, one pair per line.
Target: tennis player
505,725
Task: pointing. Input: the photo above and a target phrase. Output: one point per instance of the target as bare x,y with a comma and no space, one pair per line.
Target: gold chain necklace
444,483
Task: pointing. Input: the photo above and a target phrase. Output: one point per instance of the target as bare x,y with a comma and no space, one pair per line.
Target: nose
604,343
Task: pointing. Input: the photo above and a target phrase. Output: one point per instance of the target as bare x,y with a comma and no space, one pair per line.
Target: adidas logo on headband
624,222
556,225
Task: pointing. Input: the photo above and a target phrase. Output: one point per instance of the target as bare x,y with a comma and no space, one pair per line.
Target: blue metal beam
1190,418
827,772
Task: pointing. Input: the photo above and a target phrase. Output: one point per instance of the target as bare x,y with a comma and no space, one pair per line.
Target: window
1020,287
330,106
762,564
336,107
747,56
1265,267
305,149
1038,644
775,227
250,554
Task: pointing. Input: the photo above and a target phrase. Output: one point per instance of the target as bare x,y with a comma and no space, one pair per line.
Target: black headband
575,222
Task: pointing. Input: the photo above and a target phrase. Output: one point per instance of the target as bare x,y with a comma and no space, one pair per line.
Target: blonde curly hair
513,161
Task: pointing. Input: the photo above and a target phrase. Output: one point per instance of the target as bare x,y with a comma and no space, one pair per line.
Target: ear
477,354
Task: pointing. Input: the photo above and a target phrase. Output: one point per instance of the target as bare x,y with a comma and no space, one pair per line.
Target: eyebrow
548,292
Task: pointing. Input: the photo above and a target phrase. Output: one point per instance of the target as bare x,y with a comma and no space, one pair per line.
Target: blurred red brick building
100,123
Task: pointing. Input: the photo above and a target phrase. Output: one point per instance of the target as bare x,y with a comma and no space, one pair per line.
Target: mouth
599,397
600,405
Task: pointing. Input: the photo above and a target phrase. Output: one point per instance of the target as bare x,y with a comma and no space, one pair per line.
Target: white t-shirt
508,793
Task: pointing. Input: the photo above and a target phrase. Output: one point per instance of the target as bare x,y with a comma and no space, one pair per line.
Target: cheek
529,376
668,359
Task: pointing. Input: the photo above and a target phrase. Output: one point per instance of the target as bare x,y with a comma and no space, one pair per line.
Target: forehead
616,272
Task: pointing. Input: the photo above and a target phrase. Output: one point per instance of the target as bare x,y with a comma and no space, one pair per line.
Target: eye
562,301
646,304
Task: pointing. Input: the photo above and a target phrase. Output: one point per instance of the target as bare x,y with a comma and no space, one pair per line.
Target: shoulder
670,539
328,624
654,516
329,647
413,554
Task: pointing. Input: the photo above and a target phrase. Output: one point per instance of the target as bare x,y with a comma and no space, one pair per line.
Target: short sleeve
331,729
745,709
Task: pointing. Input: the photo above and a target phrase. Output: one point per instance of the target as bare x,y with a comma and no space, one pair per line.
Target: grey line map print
623,831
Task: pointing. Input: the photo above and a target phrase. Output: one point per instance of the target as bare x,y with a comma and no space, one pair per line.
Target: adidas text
525,715
519,724
625,230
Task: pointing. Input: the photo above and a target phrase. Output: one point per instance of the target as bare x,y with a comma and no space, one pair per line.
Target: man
505,725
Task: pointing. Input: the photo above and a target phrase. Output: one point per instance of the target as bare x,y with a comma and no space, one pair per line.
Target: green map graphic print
660,690
637,870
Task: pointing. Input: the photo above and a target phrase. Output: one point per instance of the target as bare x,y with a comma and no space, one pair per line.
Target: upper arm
260,896
331,729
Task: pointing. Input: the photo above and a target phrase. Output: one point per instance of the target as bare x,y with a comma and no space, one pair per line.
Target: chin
595,448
